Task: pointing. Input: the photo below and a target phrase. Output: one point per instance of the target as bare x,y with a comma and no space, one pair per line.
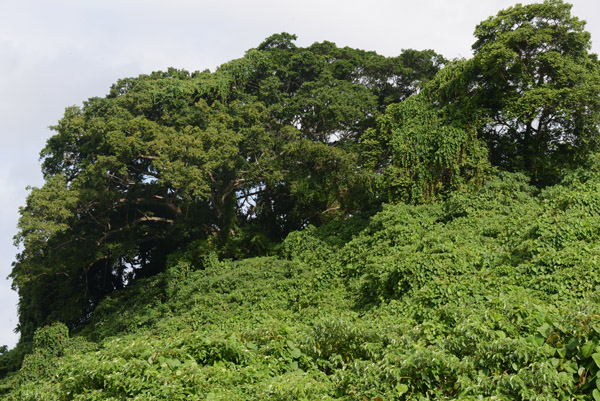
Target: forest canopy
230,161
188,166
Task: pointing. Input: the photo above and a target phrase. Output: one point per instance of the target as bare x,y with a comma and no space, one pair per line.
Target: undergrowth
490,294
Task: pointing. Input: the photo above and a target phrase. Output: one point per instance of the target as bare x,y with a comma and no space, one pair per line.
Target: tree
421,149
122,175
534,79
227,161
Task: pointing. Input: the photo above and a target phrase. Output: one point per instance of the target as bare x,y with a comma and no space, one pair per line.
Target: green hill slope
490,294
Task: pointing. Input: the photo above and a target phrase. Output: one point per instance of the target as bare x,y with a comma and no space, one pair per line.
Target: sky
57,54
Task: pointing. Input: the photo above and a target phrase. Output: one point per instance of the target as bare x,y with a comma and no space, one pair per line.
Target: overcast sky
55,54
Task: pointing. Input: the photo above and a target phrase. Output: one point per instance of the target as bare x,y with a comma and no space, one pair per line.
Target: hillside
494,297
324,223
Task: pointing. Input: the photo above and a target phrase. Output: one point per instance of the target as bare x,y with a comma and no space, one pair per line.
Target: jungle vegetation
320,223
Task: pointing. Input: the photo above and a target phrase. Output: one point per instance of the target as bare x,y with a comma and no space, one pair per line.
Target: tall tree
535,80
264,145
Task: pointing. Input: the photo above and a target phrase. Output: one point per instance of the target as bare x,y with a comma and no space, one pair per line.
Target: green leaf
537,340
401,388
295,353
572,345
544,330
173,363
588,349
596,358
596,395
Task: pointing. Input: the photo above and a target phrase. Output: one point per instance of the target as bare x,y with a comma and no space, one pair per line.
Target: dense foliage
496,297
324,223
541,88
234,160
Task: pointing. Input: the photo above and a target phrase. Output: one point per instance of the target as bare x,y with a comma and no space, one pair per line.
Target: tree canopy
233,160
535,81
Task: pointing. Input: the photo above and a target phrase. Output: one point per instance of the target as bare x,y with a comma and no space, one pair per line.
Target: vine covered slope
494,298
